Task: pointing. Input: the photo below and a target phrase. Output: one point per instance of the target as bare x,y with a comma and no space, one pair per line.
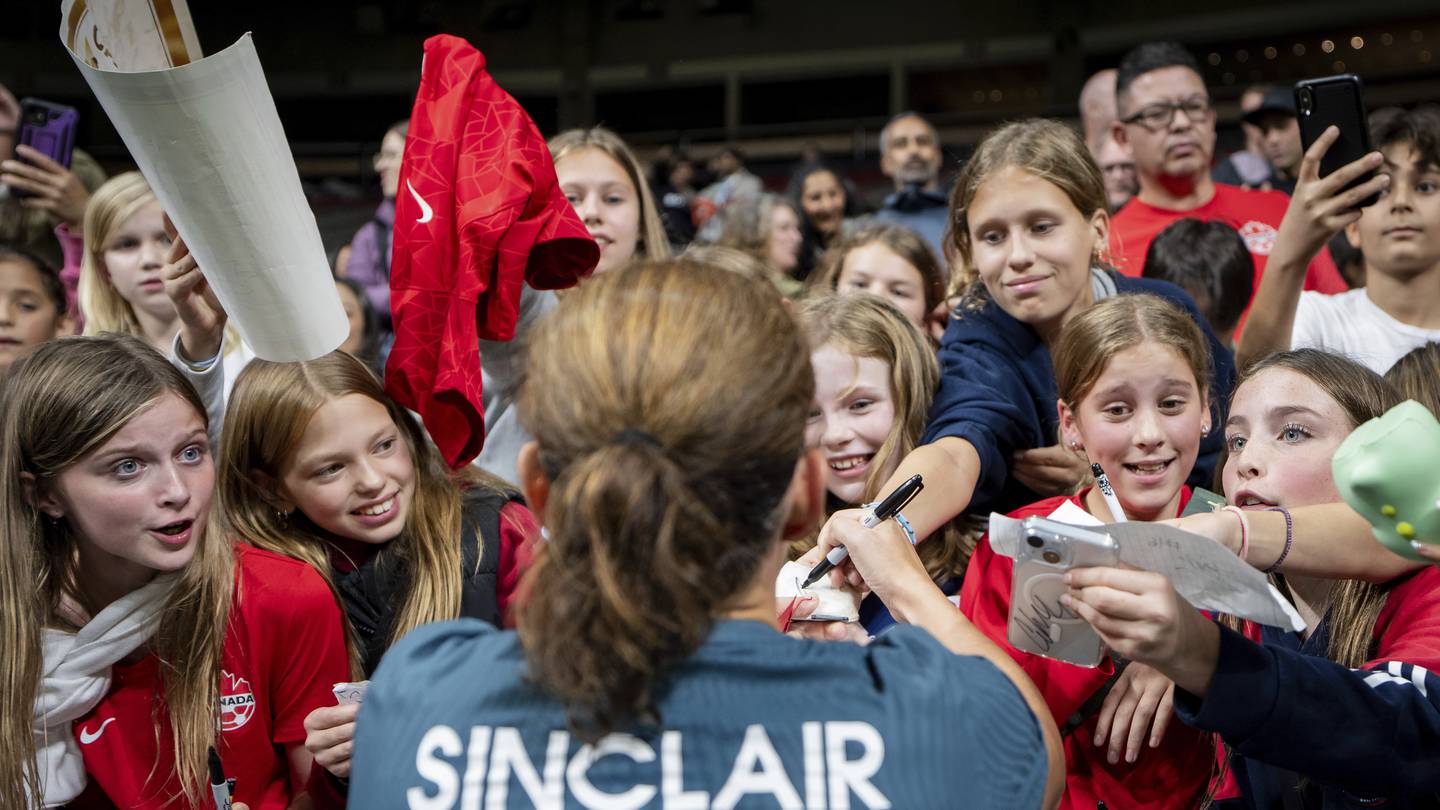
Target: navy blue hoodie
1346,738
997,391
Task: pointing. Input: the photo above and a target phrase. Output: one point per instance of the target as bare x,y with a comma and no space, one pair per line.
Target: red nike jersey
479,214
284,651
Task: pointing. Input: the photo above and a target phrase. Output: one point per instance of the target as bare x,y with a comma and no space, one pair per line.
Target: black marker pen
220,787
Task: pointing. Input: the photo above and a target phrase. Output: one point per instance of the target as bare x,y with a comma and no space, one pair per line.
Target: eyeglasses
1157,116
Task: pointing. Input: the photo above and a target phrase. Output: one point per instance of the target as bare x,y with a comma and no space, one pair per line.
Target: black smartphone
1337,101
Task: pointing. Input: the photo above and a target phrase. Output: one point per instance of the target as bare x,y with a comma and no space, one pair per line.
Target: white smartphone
1038,623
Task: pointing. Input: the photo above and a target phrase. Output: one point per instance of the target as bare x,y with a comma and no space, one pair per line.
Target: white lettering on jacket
482,774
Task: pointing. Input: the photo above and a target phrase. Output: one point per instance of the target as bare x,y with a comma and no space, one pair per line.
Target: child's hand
54,189
202,318
1053,470
1428,551
330,735
1141,617
1320,208
1141,700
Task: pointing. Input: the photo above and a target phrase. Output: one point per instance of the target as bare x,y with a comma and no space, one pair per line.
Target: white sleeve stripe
1417,677
1377,679
1395,673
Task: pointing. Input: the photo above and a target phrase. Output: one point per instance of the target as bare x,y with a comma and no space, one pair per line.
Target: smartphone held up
1336,101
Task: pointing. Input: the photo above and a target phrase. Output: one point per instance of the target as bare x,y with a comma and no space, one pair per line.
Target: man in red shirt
1167,122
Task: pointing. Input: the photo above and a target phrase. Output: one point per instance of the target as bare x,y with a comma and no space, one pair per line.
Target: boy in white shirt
1399,308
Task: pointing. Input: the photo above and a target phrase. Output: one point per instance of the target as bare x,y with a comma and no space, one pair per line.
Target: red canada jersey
479,214
1256,215
1175,775
284,651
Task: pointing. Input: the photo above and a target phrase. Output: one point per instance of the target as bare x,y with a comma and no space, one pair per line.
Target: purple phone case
48,128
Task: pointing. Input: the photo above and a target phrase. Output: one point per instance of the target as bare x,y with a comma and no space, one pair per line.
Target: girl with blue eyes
136,635
1344,714
319,464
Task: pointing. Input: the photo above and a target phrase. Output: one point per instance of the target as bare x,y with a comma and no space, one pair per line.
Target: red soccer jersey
479,214
1175,775
1255,214
284,651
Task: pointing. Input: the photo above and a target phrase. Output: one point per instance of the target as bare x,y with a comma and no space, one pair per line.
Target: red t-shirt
1255,214
284,651
1175,775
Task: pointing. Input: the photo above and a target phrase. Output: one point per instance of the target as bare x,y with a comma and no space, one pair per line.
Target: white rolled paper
207,137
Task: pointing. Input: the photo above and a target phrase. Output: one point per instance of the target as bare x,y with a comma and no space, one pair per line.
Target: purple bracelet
1289,538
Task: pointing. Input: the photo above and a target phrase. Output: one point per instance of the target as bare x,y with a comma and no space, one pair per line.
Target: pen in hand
881,512
220,787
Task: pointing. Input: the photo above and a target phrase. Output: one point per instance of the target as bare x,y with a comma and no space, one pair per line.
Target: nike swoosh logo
426,214
86,737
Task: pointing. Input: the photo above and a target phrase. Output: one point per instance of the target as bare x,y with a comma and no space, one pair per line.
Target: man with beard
1167,122
910,156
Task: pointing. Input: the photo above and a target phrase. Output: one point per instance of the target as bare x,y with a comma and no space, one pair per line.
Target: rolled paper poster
207,137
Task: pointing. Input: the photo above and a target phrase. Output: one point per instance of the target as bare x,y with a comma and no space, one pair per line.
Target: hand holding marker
220,787
883,511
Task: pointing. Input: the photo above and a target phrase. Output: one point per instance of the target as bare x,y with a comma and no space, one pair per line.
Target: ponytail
667,471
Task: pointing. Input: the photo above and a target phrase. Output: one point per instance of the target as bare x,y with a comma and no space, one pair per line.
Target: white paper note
836,604
208,139
1206,573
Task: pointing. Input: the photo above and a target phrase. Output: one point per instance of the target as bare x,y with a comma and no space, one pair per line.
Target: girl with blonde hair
122,288
604,182
875,376
670,483
317,463
127,617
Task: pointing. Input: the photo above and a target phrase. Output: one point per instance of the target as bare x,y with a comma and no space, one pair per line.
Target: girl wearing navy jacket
1029,225
1344,715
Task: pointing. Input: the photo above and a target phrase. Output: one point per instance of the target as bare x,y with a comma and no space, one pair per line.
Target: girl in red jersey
1346,714
1132,374
320,465
149,628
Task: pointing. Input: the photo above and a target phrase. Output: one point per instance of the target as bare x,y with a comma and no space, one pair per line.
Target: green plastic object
1388,470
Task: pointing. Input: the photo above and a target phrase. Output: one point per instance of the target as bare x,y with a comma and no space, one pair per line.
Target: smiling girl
874,378
1133,376
126,613
1345,714
319,464
1028,225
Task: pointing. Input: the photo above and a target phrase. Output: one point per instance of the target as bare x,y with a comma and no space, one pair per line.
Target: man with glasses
1167,122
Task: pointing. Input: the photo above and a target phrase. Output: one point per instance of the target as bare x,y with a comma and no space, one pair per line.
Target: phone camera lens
1306,102
1034,541
1051,557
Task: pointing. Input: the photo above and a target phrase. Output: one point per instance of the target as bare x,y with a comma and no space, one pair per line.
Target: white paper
836,604
208,139
1206,573
347,693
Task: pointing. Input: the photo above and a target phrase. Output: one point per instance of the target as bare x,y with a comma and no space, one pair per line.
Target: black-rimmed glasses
1160,115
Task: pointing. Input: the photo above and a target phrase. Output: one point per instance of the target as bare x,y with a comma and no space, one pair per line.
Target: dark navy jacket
997,391
1310,734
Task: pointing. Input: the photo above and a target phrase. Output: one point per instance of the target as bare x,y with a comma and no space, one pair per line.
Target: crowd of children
203,545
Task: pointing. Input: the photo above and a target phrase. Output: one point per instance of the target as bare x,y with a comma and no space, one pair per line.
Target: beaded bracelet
1289,538
899,518
1244,552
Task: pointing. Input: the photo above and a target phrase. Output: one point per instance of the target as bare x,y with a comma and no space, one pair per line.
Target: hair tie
635,436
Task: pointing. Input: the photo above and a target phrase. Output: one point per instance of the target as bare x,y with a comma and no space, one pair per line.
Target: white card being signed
836,604
1206,573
